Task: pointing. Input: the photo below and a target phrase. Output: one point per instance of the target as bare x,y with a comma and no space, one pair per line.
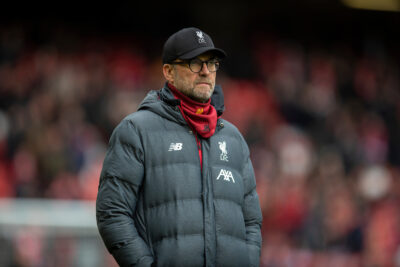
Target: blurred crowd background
319,106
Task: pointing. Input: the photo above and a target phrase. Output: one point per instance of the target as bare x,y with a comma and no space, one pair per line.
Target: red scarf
201,117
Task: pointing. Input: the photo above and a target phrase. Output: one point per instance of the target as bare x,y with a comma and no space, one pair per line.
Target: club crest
200,37
224,152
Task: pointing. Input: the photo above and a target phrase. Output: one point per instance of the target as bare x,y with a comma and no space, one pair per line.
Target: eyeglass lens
196,65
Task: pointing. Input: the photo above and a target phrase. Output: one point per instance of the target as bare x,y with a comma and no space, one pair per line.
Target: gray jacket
157,207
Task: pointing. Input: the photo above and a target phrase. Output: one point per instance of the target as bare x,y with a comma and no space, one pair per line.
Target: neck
186,98
201,117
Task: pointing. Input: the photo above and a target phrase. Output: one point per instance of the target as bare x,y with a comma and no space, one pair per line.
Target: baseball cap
189,43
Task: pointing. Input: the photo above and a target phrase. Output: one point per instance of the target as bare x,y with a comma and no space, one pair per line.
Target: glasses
196,65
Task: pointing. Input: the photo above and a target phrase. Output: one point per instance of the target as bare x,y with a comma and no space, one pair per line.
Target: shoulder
132,123
228,126
138,123
139,117
230,129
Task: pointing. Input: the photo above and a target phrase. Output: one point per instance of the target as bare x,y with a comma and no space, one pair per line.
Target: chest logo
226,175
224,152
175,146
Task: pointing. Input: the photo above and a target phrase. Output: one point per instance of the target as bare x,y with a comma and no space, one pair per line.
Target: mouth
204,83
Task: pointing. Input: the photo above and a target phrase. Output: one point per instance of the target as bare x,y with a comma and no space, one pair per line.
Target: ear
168,71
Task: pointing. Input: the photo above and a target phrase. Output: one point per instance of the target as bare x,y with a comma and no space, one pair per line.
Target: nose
204,69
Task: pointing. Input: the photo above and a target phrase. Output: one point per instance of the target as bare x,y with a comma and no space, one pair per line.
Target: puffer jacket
157,207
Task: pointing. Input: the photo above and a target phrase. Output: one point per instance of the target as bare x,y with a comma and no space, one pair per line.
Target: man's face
198,86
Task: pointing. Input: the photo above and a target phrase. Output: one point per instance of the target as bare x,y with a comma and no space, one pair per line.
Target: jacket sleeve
120,180
252,214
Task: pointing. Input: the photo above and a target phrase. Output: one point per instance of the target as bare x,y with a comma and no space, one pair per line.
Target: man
177,186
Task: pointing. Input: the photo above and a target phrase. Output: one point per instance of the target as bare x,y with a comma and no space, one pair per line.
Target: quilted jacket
156,206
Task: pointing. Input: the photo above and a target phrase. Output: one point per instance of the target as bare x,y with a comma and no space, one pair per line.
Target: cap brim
194,53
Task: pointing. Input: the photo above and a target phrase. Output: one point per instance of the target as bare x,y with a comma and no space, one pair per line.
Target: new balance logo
175,146
227,175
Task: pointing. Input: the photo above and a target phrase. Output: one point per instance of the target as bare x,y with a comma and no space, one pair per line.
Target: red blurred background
314,87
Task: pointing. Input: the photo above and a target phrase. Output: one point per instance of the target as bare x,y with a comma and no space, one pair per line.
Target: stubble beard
202,95
198,94
194,90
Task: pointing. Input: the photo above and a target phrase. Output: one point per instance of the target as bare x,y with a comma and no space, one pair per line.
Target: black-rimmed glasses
196,65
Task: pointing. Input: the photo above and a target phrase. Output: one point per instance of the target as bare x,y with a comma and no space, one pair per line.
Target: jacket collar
217,98
164,103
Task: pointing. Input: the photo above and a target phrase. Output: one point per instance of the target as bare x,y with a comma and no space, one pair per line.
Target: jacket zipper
198,143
